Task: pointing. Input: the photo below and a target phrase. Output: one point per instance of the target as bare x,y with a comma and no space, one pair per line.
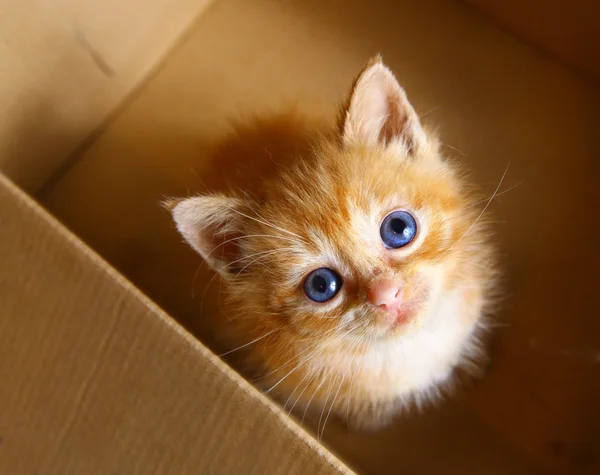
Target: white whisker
332,404
194,282
453,148
264,254
480,214
312,397
295,389
430,111
497,195
308,357
302,392
290,362
225,267
332,383
305,359
247,237
357,346
295,357
352,380
248,344
266,223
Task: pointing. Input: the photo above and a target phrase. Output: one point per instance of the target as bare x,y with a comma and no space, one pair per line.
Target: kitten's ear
378,111
211,224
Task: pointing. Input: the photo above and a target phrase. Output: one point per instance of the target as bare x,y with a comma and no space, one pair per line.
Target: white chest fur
421,360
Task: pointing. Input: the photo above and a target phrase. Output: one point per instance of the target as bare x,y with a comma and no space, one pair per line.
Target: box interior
501,105
569,32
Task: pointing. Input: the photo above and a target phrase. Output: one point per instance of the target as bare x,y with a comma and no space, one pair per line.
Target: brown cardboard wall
96,380
569,30
66,64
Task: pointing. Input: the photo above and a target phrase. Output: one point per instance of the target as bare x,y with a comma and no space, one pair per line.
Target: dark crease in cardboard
93,53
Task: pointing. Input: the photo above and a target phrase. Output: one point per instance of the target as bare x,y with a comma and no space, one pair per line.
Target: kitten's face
359,239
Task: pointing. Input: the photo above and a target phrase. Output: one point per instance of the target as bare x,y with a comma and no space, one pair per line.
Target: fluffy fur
324,209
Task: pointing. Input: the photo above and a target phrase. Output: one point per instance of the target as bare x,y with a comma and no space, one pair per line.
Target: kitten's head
362,237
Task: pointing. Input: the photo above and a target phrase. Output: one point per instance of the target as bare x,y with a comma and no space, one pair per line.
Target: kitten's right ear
378,111
210,225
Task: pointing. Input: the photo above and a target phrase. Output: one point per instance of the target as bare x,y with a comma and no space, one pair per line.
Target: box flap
96,379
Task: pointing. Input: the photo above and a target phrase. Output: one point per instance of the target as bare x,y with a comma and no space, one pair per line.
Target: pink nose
386,294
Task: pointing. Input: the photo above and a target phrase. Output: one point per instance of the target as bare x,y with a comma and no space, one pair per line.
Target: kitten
357,277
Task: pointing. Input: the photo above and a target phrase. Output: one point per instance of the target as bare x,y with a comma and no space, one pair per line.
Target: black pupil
319,284
398,226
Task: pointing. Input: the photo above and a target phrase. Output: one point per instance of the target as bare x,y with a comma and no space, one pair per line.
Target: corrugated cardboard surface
65,64
96,380
495,99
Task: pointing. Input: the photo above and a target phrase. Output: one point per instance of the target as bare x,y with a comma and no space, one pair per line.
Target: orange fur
295,195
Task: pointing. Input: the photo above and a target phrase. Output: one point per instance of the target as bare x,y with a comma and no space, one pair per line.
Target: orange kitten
356,277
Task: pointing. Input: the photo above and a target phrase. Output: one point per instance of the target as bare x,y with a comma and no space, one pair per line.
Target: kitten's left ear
378,111
211,225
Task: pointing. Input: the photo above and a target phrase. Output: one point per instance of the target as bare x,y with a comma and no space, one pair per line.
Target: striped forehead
348,238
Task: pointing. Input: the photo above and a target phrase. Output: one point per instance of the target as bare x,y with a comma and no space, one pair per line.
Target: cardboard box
110,106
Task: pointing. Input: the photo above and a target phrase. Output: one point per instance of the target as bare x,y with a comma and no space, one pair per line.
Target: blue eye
322,285
398,229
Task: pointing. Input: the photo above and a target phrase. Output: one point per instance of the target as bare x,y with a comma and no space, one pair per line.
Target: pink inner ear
395,120
379,112
210,226
383,107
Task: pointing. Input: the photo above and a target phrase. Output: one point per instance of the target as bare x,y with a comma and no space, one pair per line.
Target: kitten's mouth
404,314
398,317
